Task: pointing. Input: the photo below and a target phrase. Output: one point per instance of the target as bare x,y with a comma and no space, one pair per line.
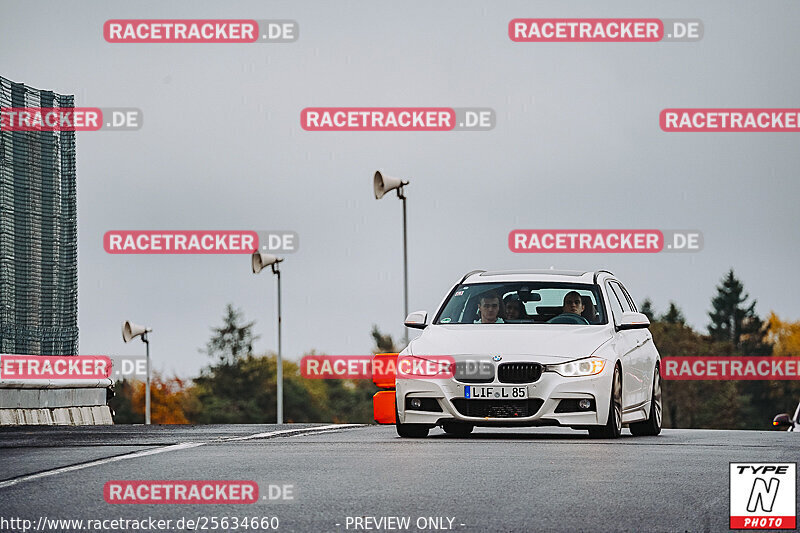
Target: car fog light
416,403
584,404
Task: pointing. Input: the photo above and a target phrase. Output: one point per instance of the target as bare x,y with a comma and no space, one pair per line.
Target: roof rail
598,272
468,274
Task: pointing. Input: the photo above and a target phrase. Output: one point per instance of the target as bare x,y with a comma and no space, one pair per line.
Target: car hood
556,341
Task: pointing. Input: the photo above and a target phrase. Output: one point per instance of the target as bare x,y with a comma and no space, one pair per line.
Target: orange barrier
384,366
383,407
383,401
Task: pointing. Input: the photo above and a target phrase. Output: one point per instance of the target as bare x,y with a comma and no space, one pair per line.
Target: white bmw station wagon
533,348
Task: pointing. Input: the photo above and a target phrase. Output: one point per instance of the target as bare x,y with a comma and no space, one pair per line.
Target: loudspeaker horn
261,260
130,330
383,184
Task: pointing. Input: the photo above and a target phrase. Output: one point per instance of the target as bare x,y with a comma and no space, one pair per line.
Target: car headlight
582,367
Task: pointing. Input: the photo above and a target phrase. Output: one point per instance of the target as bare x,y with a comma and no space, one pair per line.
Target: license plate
495,393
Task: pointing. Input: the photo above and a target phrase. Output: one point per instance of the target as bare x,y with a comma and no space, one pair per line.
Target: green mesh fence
38,232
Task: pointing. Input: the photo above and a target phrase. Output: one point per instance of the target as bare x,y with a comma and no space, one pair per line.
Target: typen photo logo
763,496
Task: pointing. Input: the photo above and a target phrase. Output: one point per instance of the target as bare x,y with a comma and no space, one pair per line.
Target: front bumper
544,396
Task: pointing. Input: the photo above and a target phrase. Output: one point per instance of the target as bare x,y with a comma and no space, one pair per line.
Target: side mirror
633,321
417,319
782,421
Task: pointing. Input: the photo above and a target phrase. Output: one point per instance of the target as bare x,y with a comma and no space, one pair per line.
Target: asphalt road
537,479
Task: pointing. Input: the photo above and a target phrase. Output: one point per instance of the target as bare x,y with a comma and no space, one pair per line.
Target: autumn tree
695,404
673,315
170,398
735,320
383,342
233,340
647,309
241,387
121,404
784,337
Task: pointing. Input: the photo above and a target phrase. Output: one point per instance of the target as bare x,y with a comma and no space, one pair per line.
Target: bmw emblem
497,358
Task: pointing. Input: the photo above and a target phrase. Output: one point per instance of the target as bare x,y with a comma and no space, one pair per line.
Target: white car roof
560,276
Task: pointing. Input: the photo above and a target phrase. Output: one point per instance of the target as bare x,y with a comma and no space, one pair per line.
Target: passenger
489,309
589,311
513,308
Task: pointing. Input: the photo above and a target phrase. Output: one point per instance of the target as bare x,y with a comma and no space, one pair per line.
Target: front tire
613,427
458,429
412,431
652,426
409,431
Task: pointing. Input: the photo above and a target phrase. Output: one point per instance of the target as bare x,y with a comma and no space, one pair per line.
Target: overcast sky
577,145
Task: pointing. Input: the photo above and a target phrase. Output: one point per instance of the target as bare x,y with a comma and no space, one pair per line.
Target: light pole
259,261
129,332
382,184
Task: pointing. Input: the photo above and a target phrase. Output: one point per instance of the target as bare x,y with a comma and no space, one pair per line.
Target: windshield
523,303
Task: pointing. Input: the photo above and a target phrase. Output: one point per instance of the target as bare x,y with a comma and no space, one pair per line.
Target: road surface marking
172,448
316,429
99,462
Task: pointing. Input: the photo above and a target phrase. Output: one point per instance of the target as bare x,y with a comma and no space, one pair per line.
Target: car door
624,346
640,357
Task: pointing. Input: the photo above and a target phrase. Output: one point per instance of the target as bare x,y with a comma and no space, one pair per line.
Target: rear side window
615,301
625,302
628,296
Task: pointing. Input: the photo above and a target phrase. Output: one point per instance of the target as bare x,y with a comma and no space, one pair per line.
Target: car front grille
519,372
498,408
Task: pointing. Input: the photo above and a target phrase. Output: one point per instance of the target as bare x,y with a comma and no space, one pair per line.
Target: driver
489,308
573,303
571,311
